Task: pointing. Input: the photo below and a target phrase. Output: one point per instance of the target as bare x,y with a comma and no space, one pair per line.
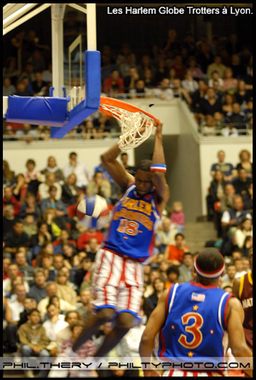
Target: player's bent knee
125,321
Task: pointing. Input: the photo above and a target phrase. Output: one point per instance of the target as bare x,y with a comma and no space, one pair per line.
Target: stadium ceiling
16,14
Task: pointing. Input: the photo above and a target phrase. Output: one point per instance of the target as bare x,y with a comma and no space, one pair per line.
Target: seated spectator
195,69
84,238
210,104
50,180
30,226
39,86
229,82
16,238
24,268
42,237
53,324
215,194
37,290
229,131
84,307
198,96
33,337
70,190
208,126
186,268
114,84
229,276
217,65
174,252
83,278
52,167
242,182
99,185
177,216
173,274
150,302
227,105
30,206
80,170
23,87
161,71
245,162
242,231
8,174
12,273
165,234
248,198
179,91
242,96
248,245
65,291
8,87
10,199
125,159
164,91
71,317
237,119
189,83
92,248
20,188
225,167
148,78
13,308
32,176
239,265
131,79
52,202
216,81
8,219
29,304
52,289
179,67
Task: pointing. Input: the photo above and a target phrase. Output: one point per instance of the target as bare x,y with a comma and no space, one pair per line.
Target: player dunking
191,319
118,275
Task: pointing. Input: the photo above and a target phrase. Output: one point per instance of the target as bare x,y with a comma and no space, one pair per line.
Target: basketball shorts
117,282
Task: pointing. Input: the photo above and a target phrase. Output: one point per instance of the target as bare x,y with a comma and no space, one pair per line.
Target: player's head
209,265
143,177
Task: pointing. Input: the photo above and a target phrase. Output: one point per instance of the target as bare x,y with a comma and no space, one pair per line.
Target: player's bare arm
159,179
235,317
236,285
114,167
154,324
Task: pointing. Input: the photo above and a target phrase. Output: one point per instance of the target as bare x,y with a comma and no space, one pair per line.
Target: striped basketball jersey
133,225
195,322
245,296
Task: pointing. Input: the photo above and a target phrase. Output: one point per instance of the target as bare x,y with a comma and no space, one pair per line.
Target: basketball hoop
136,124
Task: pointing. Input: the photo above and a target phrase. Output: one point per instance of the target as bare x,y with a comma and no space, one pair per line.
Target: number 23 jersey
133,225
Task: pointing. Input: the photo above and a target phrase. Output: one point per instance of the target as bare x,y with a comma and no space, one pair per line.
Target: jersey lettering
128,227
194,329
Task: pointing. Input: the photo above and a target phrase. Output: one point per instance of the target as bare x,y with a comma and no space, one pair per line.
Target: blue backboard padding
37,110
58,132
93,78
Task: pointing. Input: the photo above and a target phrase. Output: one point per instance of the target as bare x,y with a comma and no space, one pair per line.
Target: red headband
212,274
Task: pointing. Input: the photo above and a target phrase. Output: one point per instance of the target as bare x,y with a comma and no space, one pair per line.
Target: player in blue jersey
190,319
118,274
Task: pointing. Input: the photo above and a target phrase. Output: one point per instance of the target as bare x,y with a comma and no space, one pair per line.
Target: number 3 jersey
132,228
195,322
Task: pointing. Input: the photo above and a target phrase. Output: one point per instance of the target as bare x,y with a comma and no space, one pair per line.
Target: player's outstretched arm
154,324
159,179
115,169
236,336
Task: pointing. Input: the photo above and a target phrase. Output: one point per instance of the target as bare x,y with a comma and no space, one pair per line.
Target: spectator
225,167
210,104
177,216
8,88
189,83
242,96
186,268
99,185
8,174
242,182
9,199
248,245
8,220
164,91
216,81
245,162
92,248
32,176
227,105
179,92
161,71
29,304
237,119
84,307
39,86
52,202
52,289
30,226
172,275
114,84
239,265
204,56
20,188
70,190
174,252
50,180
65,291
131,79
228,278
37,290
217,65
194,68
229,82
165,234
79,169
12,273
124,159
24,268
208,126
242,231
52,167
151,301
16,238
30,207
23,88
33,338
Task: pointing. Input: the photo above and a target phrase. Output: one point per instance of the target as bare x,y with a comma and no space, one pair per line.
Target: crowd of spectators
49,251
230,203
213,77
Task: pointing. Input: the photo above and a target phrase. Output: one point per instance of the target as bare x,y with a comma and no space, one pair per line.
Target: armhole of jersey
241,286
171,297
250,278
167,301
223,309
127,190
226,309
155,210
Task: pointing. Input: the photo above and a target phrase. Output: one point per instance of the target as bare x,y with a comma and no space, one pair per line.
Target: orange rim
126,106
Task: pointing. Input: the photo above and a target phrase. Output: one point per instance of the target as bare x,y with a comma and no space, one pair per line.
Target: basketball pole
57,16
91,26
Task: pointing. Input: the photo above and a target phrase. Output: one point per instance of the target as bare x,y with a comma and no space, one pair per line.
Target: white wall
16,153
208,156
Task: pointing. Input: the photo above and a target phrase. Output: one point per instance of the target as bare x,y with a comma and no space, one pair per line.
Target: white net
136,127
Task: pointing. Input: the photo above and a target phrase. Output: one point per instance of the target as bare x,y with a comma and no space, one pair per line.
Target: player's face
143,182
